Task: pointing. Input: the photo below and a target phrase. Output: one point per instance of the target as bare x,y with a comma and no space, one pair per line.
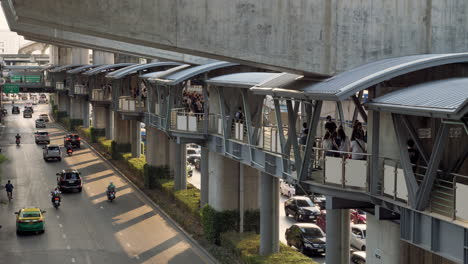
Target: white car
287,189
52,152
358,257
357,237
40,123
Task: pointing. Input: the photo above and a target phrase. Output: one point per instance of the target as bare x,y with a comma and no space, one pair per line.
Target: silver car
52,152
42,137
40,123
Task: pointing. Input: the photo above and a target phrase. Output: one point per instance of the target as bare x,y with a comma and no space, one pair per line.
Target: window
29,214
71,176
312,232
304,203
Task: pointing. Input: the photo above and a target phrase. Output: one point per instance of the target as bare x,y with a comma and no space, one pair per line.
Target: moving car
302,208
30,220
15,110
72,139
69,180
40,123
45,117
357,238
287,189
358,257
29,107
306,238
42,137
52,152
27,113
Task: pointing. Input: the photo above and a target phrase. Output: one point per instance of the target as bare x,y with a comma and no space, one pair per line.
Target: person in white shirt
358,146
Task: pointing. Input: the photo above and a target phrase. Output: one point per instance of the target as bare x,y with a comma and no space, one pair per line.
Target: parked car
287,189
40,123
69,180
27,113
30,220
194,157
52,152
42,137
45,117
321,220
307,238
358,236
72,139
15,110
358,257
320,200
302,208
358,216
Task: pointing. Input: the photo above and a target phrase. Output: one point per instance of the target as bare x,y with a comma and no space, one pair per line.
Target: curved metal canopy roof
65,67
348,83
83,68
184,75
249,79
119,74
106,67
153,76
444,99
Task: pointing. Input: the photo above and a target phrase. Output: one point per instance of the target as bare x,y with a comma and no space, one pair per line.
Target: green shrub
190,197
247,246
95,133
214,222
3,158
105,144
65,122
153,173
75,123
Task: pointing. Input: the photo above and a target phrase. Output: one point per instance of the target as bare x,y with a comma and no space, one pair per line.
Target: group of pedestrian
193,102
337,144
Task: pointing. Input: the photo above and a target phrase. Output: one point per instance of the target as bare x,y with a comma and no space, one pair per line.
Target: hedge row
247,247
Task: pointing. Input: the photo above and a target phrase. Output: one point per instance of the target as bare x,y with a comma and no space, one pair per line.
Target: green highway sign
11,88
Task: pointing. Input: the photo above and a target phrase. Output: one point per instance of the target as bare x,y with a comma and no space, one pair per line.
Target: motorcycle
69,151
17,142
56,202
111,195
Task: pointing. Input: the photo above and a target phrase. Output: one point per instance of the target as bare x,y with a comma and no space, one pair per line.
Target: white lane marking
58,216
102,207
73,260
128,245
68,247
64,236
60,225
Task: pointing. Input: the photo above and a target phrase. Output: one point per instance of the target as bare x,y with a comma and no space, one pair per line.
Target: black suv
306,237
15,110
302,208
72,139
69,180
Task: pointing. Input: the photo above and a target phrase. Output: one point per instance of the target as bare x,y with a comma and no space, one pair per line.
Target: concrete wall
326,36
224,182
383,239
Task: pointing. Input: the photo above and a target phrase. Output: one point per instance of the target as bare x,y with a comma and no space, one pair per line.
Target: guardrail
215,124
239,131
184,121
100,95
80,89
130,104
48,83
59,86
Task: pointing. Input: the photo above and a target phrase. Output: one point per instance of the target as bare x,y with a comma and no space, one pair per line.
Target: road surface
86,228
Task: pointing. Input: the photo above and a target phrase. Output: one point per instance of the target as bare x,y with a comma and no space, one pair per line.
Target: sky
3,22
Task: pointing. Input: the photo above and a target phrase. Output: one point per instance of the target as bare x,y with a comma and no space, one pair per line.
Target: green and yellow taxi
30,220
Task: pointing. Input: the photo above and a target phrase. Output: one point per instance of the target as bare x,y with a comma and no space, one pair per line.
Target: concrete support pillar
135,132
103,57
121,130
63,102
99,116
178,165
86,120
77,108
80,55
53,55
251,187
269,215
338,229
204,176
110,124
223,193
382,241
64,56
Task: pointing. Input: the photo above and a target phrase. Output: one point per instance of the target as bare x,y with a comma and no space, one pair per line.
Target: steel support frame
339,106
313,123
410,179
292,135
248,120
414,136
225,122
374,175
424,191
279,125
355,113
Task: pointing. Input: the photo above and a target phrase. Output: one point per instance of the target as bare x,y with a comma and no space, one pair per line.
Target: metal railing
100,95
48,83
239,131
184,121
59,86
215,124
156,120
270,139
335,168
130,104
80,89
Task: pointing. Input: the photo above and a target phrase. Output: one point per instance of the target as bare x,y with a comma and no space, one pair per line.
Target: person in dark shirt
330,126
9,189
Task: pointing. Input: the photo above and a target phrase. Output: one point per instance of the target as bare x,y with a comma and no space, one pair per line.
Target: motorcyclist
110,188
56,193
69,147
9,189
18,137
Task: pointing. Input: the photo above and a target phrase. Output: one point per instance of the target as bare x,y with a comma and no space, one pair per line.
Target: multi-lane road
86,228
